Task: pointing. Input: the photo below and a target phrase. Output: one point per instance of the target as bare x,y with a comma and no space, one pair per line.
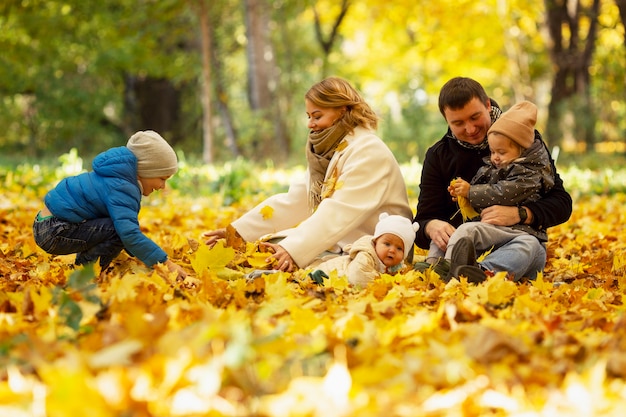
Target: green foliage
64,64
231,181
81,286
234,182
65,67
412,130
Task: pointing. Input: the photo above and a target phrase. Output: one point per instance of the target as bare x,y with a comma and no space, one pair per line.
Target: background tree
573,29
83,74
621,4
328,41
271,138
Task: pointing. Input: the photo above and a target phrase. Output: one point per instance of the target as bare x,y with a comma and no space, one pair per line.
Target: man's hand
503,215
439,232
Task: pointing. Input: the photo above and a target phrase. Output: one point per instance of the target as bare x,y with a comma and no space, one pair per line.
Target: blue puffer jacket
110,190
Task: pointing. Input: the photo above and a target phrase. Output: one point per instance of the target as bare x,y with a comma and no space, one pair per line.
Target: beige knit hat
518,124
399,226
155,157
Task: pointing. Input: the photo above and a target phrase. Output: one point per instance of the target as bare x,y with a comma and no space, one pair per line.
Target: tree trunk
571,53
221,93
152,104
206,44
327,43
621,5
271,141
259,94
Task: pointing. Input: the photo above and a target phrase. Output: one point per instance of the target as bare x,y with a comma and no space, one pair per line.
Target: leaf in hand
467,211
234,240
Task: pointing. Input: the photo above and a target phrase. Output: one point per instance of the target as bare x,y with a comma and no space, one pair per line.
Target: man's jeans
523,256
90,239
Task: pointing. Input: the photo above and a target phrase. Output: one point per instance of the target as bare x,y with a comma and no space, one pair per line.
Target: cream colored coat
361,265
363,180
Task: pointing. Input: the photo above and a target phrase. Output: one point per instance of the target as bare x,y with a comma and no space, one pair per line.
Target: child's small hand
181,274
459,188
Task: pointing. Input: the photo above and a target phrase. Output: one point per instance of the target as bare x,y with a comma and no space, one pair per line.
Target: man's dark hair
459,91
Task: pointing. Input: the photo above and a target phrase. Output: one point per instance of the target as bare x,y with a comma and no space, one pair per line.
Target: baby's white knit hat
399,226
155,157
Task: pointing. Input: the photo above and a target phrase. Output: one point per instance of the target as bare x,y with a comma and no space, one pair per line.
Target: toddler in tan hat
95,214
517,171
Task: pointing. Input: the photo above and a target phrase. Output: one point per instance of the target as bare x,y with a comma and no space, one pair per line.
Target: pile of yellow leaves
136,344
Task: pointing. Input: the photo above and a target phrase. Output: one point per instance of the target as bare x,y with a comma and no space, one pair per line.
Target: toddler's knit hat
399,226
518,124
155,157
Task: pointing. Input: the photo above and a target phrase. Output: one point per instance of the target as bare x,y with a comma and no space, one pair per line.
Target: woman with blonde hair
351,178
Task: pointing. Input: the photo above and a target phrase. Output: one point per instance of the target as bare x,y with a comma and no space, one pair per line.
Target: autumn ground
135,344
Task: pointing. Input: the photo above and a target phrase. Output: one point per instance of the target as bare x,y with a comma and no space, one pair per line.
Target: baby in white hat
372,255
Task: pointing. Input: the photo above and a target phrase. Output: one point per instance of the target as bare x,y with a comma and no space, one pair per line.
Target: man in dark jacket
459,154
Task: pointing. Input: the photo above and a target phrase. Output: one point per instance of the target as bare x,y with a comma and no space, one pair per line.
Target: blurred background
225,79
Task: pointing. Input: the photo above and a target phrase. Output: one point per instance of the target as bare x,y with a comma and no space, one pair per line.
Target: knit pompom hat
155,157
518,124
399,226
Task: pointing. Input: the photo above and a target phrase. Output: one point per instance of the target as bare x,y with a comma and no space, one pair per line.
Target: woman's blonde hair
334,92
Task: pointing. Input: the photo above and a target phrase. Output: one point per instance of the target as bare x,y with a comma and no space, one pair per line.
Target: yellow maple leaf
525,303
258,260
341,146
484,255
215,258
178,241
331,184
267,212
27,250
234,240
619,262
500,290
119,353
64,389
467,211
123,289
540,284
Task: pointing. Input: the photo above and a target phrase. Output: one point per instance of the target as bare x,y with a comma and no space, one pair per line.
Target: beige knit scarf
320,148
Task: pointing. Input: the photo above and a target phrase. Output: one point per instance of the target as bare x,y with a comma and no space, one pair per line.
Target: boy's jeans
90,239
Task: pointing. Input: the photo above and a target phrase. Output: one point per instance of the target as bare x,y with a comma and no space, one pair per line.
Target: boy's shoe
473,273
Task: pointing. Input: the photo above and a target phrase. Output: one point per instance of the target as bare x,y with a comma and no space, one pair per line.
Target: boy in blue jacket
94,214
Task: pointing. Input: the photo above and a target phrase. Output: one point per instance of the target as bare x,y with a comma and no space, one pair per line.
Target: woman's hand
284,262
213,236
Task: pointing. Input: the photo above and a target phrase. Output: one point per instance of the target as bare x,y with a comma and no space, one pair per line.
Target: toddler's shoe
473,273
463,254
